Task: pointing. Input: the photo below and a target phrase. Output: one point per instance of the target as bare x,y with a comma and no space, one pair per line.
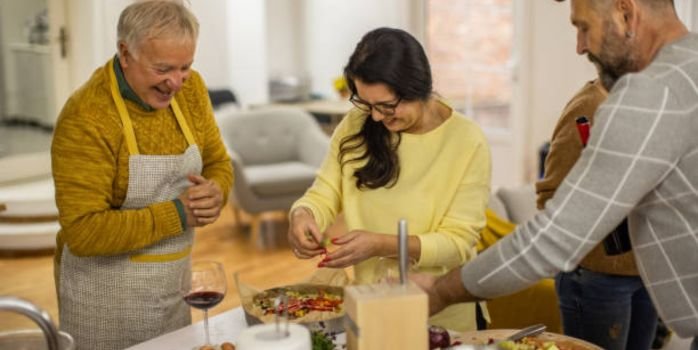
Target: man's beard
615,58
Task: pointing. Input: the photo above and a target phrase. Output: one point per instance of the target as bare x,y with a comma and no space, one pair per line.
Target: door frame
60,55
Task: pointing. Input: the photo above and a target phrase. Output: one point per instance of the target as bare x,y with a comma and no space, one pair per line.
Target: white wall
231,51
314,38
332,29
212,30
688,13
285,42
92,35
2,68
555,73
247,50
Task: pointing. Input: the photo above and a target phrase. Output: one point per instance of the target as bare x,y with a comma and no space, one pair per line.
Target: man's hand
426,282
204,200
444,290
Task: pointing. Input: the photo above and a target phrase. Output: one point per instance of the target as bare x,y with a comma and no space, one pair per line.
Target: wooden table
225,327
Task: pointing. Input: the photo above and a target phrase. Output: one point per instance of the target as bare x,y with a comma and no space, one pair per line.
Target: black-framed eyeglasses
384,108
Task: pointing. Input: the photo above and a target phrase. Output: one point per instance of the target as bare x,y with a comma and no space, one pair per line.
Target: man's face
603,41
158,70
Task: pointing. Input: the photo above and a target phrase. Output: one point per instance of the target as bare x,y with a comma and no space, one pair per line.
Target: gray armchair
276,154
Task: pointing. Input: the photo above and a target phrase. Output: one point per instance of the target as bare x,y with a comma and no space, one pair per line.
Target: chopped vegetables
299,303
322,341
527,344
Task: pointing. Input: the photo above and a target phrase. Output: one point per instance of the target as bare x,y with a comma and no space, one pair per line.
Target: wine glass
204,287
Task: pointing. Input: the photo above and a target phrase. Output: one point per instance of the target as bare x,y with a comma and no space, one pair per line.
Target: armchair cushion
497,206
280,178
520,202
275,152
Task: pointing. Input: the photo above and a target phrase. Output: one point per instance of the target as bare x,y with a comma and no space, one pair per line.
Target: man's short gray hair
657,4
155,19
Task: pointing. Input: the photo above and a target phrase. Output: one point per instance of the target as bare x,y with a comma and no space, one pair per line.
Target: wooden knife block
382,317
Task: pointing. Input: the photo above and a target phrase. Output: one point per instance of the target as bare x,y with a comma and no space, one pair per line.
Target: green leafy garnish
321,341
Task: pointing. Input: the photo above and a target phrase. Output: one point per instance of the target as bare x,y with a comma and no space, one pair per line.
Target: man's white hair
155,19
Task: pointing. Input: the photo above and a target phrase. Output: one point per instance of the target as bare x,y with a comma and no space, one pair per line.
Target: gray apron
113,302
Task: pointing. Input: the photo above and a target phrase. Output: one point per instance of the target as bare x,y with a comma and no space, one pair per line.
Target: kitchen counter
224,327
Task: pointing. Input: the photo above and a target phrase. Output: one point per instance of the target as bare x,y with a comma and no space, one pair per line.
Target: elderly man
641,162
138,162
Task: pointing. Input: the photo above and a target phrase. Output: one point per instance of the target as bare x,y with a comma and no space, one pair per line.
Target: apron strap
182,122
123,113
126,121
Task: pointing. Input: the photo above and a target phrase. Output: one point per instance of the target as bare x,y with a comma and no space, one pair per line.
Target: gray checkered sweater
641,162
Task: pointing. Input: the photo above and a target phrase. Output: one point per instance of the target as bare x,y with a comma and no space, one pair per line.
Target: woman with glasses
402,152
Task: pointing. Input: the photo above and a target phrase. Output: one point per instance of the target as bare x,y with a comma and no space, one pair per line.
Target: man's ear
629,11
123,54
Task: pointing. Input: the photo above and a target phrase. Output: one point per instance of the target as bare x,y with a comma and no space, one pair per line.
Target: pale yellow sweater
90,166
442,191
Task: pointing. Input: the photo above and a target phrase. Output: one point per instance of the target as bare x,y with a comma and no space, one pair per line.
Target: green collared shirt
125,90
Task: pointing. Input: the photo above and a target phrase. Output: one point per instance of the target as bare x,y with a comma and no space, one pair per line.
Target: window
470,44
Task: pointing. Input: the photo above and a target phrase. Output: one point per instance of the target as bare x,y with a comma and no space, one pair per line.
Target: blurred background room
510,65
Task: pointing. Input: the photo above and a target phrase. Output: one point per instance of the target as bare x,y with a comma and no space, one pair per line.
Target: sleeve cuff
428,247
182,214
167,220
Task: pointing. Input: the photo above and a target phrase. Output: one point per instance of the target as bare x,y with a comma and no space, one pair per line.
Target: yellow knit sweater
90,166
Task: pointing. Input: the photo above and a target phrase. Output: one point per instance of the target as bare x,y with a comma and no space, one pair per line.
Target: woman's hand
304,235
355,247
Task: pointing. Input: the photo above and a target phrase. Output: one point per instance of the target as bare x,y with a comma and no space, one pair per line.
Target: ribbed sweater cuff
167,219
182,214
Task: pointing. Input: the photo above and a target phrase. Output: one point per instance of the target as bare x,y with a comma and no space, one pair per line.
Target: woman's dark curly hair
395,58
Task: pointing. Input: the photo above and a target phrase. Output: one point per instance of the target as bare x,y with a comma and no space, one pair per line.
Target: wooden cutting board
562,341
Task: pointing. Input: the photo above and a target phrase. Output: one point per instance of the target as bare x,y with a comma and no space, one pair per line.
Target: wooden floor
263,260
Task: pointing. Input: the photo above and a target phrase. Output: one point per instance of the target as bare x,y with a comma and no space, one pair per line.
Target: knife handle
402,249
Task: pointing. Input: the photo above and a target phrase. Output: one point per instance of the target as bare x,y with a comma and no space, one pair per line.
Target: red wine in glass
203,300
203,287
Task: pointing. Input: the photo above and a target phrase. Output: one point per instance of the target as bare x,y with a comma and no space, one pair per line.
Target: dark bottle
618,241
